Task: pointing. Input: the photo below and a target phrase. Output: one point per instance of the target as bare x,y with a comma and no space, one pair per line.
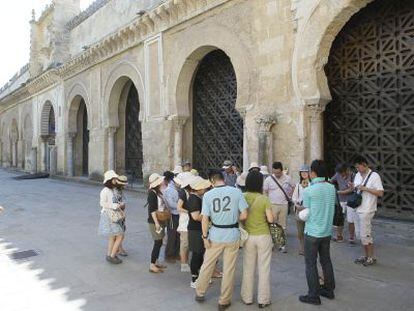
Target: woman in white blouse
107,227
297,198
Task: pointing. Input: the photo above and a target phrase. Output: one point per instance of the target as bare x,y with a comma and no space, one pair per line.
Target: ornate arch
44,120
313,43
194,51
114,86
74,98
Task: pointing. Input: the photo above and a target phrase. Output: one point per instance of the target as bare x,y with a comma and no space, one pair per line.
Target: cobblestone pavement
59,220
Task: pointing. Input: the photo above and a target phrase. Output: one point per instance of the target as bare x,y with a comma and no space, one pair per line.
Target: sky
15,33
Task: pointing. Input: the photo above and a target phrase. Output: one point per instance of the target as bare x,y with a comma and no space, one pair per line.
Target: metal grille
85,140
218,126
133,136
371,78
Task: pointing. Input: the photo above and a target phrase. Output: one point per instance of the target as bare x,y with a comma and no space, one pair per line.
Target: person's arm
153,207
295,195
266,186
269,215
243,206
180,206
376,188
196,216
243,215
205,224
346,191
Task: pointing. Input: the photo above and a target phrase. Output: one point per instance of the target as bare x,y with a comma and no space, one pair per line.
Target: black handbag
290,203
339,218
355,198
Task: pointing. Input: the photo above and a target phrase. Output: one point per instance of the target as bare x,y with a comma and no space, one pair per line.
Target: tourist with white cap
157,218
198,186
265,171
254,166
228,173
112,216
297,199
177,170
241,181
183,180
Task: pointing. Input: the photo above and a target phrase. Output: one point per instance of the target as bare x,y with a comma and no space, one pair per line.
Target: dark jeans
196,263
313,247
156,251
172,249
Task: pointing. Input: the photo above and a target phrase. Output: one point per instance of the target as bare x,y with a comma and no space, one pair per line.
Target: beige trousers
230,252
280,212
257,251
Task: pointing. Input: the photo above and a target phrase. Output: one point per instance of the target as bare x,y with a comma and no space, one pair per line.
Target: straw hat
254,165
184,179
199,183
241,180
177,169
123,180
155,180
109,175
264,170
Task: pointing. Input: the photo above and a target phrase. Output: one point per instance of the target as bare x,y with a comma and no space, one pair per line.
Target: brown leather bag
165,215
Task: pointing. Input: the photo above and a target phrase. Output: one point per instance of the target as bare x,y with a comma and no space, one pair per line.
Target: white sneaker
185,267
193,284
283,249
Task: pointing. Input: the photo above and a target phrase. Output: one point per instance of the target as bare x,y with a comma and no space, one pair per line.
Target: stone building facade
138,86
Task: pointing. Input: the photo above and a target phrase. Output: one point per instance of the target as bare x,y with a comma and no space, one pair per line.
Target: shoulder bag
165,215
290,203
355,198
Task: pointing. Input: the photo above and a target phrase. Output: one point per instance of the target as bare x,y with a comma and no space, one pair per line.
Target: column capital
111,130
266,122
178,122
315,107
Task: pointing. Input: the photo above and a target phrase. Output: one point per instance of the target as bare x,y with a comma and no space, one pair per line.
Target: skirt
108,228
195,241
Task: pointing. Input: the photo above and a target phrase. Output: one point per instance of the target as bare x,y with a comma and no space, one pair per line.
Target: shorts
156,236
365,227
351,215
183,242
280,213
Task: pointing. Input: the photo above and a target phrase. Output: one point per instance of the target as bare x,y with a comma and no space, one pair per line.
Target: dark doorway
371,77
218,126
133,135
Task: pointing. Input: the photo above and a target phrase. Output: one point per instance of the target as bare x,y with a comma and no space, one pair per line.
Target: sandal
124,254
217,275
159,266
156,271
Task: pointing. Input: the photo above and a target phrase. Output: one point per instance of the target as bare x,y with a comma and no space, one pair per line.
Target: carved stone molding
179,122
265,123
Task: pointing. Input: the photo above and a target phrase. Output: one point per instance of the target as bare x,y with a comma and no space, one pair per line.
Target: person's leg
207,269
275,212
249,267
121,248
365,235
111,242
350,218
369,241
326,263
184,247
283,213
115,248
229,266
195,265
264,251
170,243
300,225
155,254
311,255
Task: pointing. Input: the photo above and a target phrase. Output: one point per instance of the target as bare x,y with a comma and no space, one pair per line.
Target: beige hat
254,165
184,179
177,169
109,175
241,179
155,180
199,183
122,180
264,170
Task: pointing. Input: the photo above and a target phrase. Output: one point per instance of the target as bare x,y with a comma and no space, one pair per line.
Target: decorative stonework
266,122
92,9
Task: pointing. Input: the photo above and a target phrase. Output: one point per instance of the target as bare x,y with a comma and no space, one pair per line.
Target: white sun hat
155,180
199,183
241,179
177,169
254,165
264,170
109,175
184,179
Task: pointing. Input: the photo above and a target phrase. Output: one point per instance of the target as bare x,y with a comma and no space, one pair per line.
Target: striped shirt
320,198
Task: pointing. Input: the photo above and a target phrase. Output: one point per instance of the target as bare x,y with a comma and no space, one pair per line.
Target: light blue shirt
320,198
171,198
223,205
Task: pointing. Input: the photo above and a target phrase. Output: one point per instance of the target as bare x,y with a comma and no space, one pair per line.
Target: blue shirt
223,205
171,198
320,198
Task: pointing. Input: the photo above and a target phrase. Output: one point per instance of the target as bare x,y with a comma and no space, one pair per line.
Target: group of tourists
204,221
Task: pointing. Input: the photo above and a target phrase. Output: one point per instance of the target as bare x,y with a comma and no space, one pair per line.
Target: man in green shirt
320,198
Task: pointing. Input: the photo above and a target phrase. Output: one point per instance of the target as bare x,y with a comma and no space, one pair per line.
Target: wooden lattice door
371,77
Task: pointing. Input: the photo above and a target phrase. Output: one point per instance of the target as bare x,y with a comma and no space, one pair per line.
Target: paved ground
59,219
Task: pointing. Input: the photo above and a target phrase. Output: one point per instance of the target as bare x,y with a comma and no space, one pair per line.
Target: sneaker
310,300
264,305
327,293
283,249
369,262
185,267
360,260
223,307
114,260
193,284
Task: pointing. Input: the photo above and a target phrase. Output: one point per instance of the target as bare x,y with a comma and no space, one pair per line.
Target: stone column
245,151
70,153
265,137
53,160
111,147
33,159
14,153
21,152
315,114
178,123
45,151
1,154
